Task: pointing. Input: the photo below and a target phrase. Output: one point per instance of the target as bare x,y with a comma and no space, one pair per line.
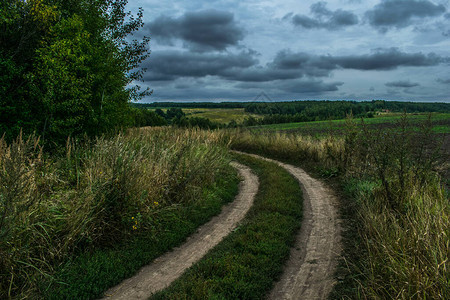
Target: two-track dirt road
308,274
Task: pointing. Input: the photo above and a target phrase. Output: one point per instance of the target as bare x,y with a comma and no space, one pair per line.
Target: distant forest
305,111
294,107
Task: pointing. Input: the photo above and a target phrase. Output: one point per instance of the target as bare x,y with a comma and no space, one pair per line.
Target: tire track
308,274
168,267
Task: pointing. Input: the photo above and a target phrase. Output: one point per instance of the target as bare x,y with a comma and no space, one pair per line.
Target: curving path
168,267
308,273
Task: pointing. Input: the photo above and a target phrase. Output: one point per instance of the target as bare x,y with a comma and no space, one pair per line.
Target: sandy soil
165,269
308,274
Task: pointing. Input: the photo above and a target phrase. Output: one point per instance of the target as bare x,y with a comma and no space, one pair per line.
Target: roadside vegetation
246,263
103,209
397,207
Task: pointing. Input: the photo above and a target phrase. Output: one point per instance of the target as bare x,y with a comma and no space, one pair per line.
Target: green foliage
66,66
144,117
245,264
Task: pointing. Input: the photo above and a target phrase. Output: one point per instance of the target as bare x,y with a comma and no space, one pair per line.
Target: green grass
103,208
246,263
325,126
396,233
104,268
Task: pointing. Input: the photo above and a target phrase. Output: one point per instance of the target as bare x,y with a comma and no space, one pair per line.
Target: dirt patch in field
165,269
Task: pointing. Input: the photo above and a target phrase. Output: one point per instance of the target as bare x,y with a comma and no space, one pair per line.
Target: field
118,202
440,121
391,177
220,115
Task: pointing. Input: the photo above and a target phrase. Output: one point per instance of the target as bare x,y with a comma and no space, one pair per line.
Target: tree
67,66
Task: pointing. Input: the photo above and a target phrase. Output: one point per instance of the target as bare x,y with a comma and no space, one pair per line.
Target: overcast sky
220,50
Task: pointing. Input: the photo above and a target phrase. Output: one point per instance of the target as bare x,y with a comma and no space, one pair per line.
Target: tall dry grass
402,207
408,253
287,146
94,195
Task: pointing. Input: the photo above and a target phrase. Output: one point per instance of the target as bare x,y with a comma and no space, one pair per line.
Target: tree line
339,109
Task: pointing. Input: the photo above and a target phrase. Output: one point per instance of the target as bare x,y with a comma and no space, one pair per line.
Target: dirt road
165,269
308,274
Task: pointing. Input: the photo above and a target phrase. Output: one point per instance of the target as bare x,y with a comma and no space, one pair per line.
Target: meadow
115,203
394,202
112,204
440,121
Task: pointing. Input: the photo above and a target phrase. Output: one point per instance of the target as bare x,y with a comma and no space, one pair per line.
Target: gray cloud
201,31
381,59
286,65
401,13
388,59
325,18
260,74
402,84
444,81
309,86
294,86
169,65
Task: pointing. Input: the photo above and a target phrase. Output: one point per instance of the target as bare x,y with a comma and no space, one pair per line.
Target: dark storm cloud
311,65
401,13
444,81
382,59
402,84
201,31
387,59
286,65
309,86
325,18
168,65
260,74
294,86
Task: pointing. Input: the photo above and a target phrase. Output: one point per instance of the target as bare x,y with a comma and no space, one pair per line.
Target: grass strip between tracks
247,262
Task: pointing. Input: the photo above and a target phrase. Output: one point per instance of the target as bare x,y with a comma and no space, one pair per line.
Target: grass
396,209
246,263
441,124
104,268
113,204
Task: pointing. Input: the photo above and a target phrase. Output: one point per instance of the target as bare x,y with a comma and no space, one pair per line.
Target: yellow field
220,115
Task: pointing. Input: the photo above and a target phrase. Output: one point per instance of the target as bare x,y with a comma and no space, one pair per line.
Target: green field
440,121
